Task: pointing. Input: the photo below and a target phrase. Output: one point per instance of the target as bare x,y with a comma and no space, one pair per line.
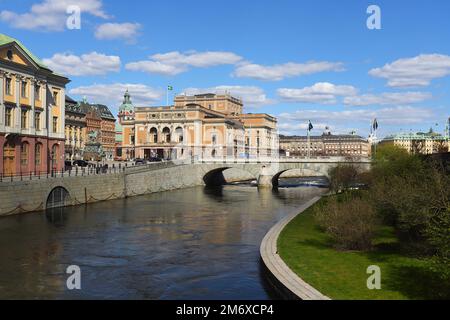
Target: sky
298,60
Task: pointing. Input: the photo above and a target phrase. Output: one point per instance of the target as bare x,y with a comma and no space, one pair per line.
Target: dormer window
9,54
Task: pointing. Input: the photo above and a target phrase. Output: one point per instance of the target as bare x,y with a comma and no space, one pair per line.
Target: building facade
75,130
202,126
90,131
419,143
32,113
325,145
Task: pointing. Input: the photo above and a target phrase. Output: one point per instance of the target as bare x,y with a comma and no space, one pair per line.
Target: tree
343,177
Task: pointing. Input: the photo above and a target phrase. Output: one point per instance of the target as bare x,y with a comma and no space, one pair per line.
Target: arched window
154,135
38,155
166,134
179,134
54,157
55,152
24,154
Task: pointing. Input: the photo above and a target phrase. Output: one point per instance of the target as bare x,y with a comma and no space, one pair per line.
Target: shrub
438,235
343,177
350,223
408,192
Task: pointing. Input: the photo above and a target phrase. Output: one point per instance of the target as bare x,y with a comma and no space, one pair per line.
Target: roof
100,109
328,137
70,100
4,39
415,136
127,105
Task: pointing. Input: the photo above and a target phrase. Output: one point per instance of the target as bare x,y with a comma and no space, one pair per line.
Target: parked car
155,159
67,165
139,162
81,163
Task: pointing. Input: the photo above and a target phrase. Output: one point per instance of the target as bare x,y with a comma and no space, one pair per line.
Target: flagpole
308,141
167,96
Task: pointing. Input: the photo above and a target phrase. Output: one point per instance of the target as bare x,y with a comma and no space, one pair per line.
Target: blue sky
298,60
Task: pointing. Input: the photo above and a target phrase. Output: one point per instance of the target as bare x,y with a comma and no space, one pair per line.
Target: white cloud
418,71
321,92
173,63
124,31
395,98
252,96
85,65
112,94
346,120
50,15
281,71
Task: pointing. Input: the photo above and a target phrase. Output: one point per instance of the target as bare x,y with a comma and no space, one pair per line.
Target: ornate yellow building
201,126
32,99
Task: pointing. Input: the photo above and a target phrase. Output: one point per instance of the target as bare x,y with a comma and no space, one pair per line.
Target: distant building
325,145
419,143
90,131
31,112
75,130
205,126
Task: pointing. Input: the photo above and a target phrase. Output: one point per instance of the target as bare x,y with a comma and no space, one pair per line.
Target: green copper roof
127,105
4,39
415,136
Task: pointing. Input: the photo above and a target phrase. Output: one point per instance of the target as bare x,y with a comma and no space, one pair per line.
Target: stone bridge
267,173
35,195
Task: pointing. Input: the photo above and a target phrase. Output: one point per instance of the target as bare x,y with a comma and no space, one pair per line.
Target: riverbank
308,252
287,283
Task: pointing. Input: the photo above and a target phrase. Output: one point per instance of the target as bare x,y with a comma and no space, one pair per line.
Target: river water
196,243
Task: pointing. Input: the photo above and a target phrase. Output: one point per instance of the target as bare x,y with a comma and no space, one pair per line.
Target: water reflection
198,243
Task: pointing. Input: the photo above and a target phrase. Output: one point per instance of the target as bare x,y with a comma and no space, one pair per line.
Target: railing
130,168
75,171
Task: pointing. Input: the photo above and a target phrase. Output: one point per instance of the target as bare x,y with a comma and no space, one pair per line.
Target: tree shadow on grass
417,282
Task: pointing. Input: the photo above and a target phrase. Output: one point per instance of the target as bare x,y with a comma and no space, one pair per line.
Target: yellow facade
203,126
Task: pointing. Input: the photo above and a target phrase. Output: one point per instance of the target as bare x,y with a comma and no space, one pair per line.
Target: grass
308,251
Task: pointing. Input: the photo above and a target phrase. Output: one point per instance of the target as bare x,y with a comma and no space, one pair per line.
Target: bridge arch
57,198
303,172
216,177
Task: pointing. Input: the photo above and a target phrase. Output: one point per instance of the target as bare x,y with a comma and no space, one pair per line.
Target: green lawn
342,275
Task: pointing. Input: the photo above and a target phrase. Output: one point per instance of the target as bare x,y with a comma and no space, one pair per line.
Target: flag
310,126
375,124
169,88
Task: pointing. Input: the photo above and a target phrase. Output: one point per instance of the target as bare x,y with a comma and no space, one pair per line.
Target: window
37,92
23,119
37,152
23,91
24,154
8,116
37,121
8,86
9,54
55,98
154,135
55,124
